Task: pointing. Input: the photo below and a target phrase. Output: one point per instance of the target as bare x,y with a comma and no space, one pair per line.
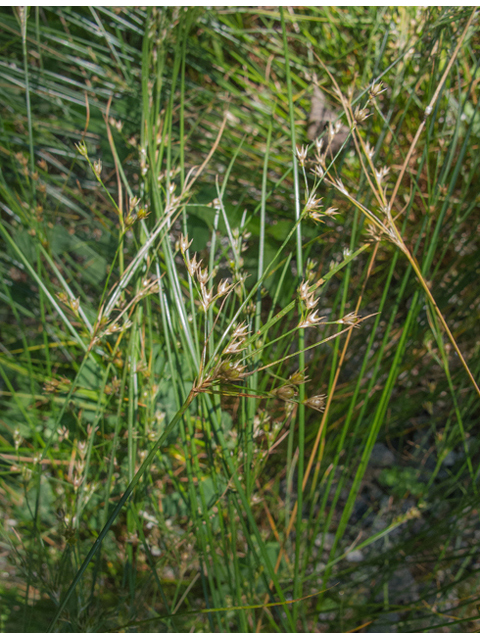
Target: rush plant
214,328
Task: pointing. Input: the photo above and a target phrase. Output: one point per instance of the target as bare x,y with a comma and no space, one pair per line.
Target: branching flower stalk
128,492
387,227
222,346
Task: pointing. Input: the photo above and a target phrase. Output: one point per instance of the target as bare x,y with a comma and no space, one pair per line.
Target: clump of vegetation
239,366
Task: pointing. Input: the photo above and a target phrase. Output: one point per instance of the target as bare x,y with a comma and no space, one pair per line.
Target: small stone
381,456
450,459
327,542
403,587
379,525
355,556
385,623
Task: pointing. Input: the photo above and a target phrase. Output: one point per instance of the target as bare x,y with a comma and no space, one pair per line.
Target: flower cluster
227,368
360,114
306,292
351,320
316,402
201,276
73,303
311,206
376,89
229,371
132,216
302,155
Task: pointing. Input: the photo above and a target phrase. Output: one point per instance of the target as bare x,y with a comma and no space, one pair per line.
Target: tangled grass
211,325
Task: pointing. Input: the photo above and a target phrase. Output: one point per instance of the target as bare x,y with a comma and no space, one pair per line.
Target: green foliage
402,481
183,448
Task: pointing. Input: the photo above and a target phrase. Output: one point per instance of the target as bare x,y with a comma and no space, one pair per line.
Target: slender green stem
297,589
128,492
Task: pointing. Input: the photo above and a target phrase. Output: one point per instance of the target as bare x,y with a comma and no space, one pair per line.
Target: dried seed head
207,297
26,473
130,219
77,481
62,433
302,155
202,275
373,233
50,386
113,328
97,168
304,289
22,158
298,378
312,203
17,438
81,147
310,207
311,302
369,150
223,288
285,393
193,265
316,402
133,202
339,184
118,124
382,173
230,371
331,211
184,243
351,319
75,304
312,319
331,132
241,331
316,216
387,211
360,114
376,89
234,347
91,430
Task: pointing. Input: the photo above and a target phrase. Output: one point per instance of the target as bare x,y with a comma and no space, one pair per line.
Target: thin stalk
297,589
128,492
